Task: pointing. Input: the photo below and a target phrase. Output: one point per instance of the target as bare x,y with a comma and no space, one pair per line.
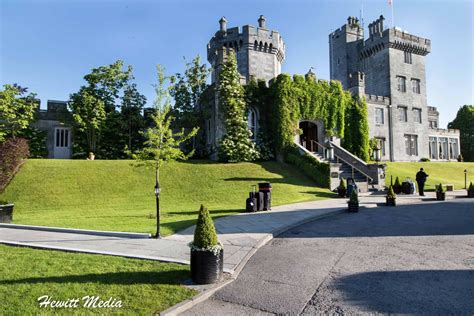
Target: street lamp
329,151
465,178
157,195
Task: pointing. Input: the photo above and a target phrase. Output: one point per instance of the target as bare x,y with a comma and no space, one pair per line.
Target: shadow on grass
173,277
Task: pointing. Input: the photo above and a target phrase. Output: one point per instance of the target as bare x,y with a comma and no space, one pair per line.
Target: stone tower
388,69
260,52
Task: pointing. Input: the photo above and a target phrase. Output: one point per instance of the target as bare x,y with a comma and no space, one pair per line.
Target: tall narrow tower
343,51
260,52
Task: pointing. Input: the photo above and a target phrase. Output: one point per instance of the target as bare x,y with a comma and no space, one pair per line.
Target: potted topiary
391,198
6,212
341,189
440,193
207,253
353,202
470,191
397,187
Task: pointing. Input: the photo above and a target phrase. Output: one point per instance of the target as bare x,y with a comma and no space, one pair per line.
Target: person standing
421,179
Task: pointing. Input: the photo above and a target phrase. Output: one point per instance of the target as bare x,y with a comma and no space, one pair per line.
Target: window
417,115
407,58
433,124
379,119
401,84
453,148
411,145
252,123
443,147
62,137
433,148
338,61
381,144
415,86
402,114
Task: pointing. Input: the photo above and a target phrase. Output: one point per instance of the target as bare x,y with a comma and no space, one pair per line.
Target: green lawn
144,287
439,172
113,195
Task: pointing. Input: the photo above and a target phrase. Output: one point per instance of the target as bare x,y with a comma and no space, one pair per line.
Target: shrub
205,236
354,197
391,194
425,160
314,169
397,187
460,158
342,184
471,187
440,189
12,153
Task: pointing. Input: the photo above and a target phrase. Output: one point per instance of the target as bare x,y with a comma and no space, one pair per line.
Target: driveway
408,259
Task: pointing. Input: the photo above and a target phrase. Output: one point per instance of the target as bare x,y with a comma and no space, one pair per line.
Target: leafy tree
464,121
356,136
236,144
16,110
162,144
187,90
132,119
89,113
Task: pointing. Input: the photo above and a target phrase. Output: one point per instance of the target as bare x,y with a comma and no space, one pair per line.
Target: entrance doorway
309,136
62,143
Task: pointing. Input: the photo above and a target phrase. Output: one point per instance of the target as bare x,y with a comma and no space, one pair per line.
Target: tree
161,144
236,145
464,122
16,110
187,90
356,135
89,113
131,109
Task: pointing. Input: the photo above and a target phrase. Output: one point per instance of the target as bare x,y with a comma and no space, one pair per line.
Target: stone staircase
347,165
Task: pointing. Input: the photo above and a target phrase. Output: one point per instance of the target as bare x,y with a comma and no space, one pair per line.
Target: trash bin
251,204
266,189
408,186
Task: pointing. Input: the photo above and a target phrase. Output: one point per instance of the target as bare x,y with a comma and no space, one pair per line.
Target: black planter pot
353,207
470,194
6,213
390,201
206,267
440,196
341,192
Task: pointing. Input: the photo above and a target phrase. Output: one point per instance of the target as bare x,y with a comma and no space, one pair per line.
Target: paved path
412,259
241,234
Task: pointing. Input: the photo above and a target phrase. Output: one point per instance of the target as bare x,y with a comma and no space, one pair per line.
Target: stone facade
388,69
55,120
260,53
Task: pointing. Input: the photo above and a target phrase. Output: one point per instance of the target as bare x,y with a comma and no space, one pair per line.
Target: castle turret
260,52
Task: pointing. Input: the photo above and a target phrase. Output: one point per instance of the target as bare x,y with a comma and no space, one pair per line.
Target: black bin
266,189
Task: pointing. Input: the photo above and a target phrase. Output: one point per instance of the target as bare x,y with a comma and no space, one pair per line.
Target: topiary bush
354,197
205,236
342,184
397,187
391,194
440,189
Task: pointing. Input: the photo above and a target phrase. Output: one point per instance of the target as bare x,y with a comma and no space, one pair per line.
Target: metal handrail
354,167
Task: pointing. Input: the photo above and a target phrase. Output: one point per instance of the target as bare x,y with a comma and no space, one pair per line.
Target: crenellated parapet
377,99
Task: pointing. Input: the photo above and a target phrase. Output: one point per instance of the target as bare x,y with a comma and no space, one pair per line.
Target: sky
49,45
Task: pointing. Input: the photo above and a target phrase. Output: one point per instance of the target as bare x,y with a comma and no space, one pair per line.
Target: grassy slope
439,172
144,287
112,195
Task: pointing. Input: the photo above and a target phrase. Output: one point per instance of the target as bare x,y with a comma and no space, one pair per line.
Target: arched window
241,43
255,45
265,48
261,46
252,123
270,48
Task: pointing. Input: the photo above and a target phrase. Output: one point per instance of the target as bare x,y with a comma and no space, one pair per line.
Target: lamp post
377,154
465,178
157,195
329,151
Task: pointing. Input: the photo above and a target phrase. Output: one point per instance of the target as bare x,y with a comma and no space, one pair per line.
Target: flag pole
391,6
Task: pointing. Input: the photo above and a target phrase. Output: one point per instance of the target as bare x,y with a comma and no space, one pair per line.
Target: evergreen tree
464,121
236,145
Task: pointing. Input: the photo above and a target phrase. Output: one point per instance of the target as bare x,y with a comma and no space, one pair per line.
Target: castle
387,69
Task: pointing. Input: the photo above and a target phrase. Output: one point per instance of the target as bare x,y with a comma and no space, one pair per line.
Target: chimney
223,23
261,21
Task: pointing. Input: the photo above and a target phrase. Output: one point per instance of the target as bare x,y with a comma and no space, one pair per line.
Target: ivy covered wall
289,100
